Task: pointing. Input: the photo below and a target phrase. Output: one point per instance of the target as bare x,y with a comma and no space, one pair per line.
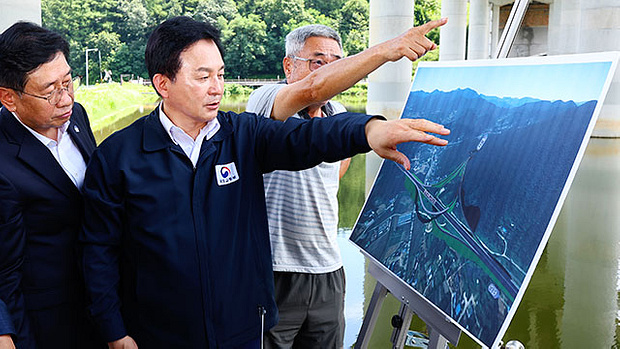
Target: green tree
253,31
59,16
313,16
160,10
354,26
83,23
327,8
216,12
246,6
244,49
427,10
129,59
135,20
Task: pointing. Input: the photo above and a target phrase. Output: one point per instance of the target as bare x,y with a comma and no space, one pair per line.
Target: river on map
572,300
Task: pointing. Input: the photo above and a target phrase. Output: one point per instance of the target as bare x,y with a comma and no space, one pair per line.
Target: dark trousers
311,308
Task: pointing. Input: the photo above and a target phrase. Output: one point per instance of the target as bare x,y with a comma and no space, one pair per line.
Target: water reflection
237,106
572,301
353,262
592,249
122,122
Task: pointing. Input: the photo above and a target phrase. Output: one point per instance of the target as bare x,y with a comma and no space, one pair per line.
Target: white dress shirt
65,151
190,147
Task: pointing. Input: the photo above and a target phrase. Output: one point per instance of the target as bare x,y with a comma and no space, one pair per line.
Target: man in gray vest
302,206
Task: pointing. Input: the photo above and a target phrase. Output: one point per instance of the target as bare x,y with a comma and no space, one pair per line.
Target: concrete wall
530,41
23,10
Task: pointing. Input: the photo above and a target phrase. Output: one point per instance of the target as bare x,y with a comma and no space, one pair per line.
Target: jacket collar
156,138
34,154
225,127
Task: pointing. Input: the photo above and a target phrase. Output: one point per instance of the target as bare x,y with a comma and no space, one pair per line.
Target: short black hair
24,47
170,39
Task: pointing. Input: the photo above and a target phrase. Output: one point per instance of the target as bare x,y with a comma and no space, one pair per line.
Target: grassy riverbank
106,103
351,192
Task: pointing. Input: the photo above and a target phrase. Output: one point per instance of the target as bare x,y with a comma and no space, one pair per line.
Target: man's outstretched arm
300,144
323,84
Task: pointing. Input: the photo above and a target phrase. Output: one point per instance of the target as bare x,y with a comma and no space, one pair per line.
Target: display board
465,227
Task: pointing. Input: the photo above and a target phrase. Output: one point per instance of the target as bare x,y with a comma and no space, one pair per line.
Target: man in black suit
45,144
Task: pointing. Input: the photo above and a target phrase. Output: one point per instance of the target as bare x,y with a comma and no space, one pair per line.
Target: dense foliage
252,30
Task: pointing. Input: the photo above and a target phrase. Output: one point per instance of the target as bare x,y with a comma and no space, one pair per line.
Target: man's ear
287,64
7,98
161,83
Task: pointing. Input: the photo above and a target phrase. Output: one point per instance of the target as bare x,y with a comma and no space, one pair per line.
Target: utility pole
88,50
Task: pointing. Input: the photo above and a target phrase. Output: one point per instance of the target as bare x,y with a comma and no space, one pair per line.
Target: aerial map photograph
466,225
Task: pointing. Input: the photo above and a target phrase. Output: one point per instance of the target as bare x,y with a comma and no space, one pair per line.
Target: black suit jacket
41,290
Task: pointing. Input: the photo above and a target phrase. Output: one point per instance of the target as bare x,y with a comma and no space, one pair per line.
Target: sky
578,82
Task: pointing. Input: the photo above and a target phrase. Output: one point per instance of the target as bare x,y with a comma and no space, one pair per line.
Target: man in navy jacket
176,246
45,143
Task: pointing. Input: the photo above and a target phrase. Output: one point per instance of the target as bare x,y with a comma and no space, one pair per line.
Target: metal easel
441,328
519,8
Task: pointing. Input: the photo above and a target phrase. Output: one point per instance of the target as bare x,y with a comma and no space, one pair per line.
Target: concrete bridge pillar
19,10
478,37
452,35
388,86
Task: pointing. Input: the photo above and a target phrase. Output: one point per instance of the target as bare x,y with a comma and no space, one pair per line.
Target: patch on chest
226,173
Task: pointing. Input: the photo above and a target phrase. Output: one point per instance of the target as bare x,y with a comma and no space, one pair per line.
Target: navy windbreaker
177,256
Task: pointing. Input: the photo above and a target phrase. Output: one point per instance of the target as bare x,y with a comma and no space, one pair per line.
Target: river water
572,300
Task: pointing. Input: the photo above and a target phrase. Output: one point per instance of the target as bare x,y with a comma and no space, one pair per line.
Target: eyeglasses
56,95
313,64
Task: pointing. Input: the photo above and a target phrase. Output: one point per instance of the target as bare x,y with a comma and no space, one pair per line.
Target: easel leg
401,323
438,325
378,296
436,340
